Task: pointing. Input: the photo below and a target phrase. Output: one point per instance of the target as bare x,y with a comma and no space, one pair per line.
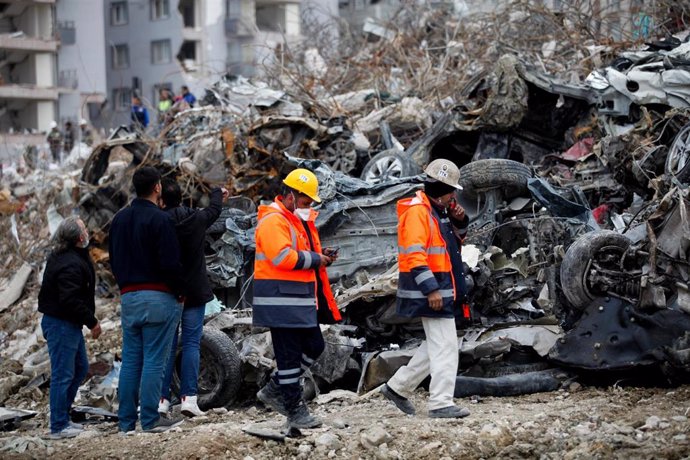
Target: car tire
339,155
386,165
220,374
678,158
508,175
577,261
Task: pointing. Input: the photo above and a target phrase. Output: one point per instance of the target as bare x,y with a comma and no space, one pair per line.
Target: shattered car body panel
614,335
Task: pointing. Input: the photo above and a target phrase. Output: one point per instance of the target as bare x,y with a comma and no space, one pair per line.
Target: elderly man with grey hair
66,300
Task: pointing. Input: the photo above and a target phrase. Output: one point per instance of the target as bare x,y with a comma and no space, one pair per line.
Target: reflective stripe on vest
407,294
421,248
286,301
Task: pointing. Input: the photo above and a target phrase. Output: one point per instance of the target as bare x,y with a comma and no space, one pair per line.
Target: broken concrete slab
11,292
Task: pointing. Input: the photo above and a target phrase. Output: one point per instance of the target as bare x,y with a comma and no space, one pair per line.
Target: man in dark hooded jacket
191,226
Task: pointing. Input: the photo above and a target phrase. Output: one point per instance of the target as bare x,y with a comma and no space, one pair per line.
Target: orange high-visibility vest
285,270
423,260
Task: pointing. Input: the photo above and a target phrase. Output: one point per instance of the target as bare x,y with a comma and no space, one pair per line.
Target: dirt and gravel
581,422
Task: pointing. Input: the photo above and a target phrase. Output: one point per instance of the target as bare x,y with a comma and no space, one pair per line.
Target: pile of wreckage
578,254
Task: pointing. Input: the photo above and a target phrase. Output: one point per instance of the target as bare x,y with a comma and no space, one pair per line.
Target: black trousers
295,350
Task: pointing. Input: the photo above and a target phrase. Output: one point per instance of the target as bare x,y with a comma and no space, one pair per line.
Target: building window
120,58
122,98
188,8
118,14
160,9
188,53
270,18
160,52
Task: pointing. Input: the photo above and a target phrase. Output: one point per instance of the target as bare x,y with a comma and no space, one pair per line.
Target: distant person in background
66,300
139,115
86,133
165,103
68,142
55,141
187,96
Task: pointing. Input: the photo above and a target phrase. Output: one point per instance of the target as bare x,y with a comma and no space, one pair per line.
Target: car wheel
388,165
601,249
340,155
508,175
219,370
678,159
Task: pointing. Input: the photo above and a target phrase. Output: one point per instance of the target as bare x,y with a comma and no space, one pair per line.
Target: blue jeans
148,320
192,325
68,367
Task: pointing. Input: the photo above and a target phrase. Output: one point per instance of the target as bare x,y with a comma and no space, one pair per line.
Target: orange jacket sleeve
274,240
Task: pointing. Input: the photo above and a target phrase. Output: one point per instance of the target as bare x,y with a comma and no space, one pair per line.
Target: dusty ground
583,423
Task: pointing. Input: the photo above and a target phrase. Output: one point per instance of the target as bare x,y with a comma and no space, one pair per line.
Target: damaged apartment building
28,54
157,44
45,75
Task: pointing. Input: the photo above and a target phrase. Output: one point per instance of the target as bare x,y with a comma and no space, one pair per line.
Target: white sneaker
163,406
189,407
68,432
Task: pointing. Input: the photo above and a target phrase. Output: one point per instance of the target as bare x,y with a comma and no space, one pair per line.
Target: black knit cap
436,189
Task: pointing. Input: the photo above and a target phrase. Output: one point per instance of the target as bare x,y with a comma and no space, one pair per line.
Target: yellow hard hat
304,181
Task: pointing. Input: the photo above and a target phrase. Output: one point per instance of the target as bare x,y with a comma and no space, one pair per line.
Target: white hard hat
444,171
83,122
53,124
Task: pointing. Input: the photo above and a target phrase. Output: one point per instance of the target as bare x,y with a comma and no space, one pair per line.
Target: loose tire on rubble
508,175
389,164
604,246
678,159
219,370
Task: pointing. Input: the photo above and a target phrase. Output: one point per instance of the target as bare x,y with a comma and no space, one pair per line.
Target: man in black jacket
145,259
66,300
191,226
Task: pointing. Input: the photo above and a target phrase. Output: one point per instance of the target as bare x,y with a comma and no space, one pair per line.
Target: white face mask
302,213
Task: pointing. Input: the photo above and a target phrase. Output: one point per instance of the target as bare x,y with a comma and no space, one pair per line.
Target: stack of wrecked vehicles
577,255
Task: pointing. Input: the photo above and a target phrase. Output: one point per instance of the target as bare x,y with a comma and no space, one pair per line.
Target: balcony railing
68,79
67,32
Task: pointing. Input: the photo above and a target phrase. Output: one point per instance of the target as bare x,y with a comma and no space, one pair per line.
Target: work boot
400,402
189,407
299,417
163,407
271,396
449,412
163,424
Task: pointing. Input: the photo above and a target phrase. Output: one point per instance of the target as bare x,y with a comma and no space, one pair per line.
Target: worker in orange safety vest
431,227
292,294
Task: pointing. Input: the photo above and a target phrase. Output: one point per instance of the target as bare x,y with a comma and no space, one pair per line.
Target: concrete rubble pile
575,163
